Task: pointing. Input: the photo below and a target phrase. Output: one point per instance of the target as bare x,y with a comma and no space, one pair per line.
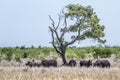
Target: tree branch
64,31
53,23
55,28
71,42
74,40
53,41
59,20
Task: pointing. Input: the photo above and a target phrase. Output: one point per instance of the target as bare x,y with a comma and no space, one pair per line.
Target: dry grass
9,71
60,73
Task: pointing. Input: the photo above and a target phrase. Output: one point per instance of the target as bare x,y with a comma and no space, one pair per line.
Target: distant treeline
18,53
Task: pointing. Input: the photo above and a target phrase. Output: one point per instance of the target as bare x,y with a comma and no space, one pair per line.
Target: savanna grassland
59,73
12,64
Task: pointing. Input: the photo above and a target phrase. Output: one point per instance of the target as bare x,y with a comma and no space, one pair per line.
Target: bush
17,58
102,52
70,56
0,57
25,55
8,55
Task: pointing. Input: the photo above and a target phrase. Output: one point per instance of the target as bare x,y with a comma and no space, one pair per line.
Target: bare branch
64,31
63,12
53,23
79,29
55,28
59,20
53,41
65,22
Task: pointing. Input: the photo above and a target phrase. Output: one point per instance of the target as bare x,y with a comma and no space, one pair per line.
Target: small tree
75,23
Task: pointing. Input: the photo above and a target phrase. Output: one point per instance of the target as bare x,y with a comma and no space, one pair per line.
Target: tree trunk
63,58
63,49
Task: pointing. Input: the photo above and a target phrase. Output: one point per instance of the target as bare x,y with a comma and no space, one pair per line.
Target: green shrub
0,57
17,58
70,56
8,55
102,52
25,55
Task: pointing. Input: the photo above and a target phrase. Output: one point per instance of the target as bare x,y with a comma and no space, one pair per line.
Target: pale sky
25,22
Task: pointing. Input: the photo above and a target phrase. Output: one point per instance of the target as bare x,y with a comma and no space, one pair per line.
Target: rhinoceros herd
71,63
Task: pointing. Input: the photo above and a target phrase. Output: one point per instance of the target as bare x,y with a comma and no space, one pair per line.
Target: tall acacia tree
75,23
